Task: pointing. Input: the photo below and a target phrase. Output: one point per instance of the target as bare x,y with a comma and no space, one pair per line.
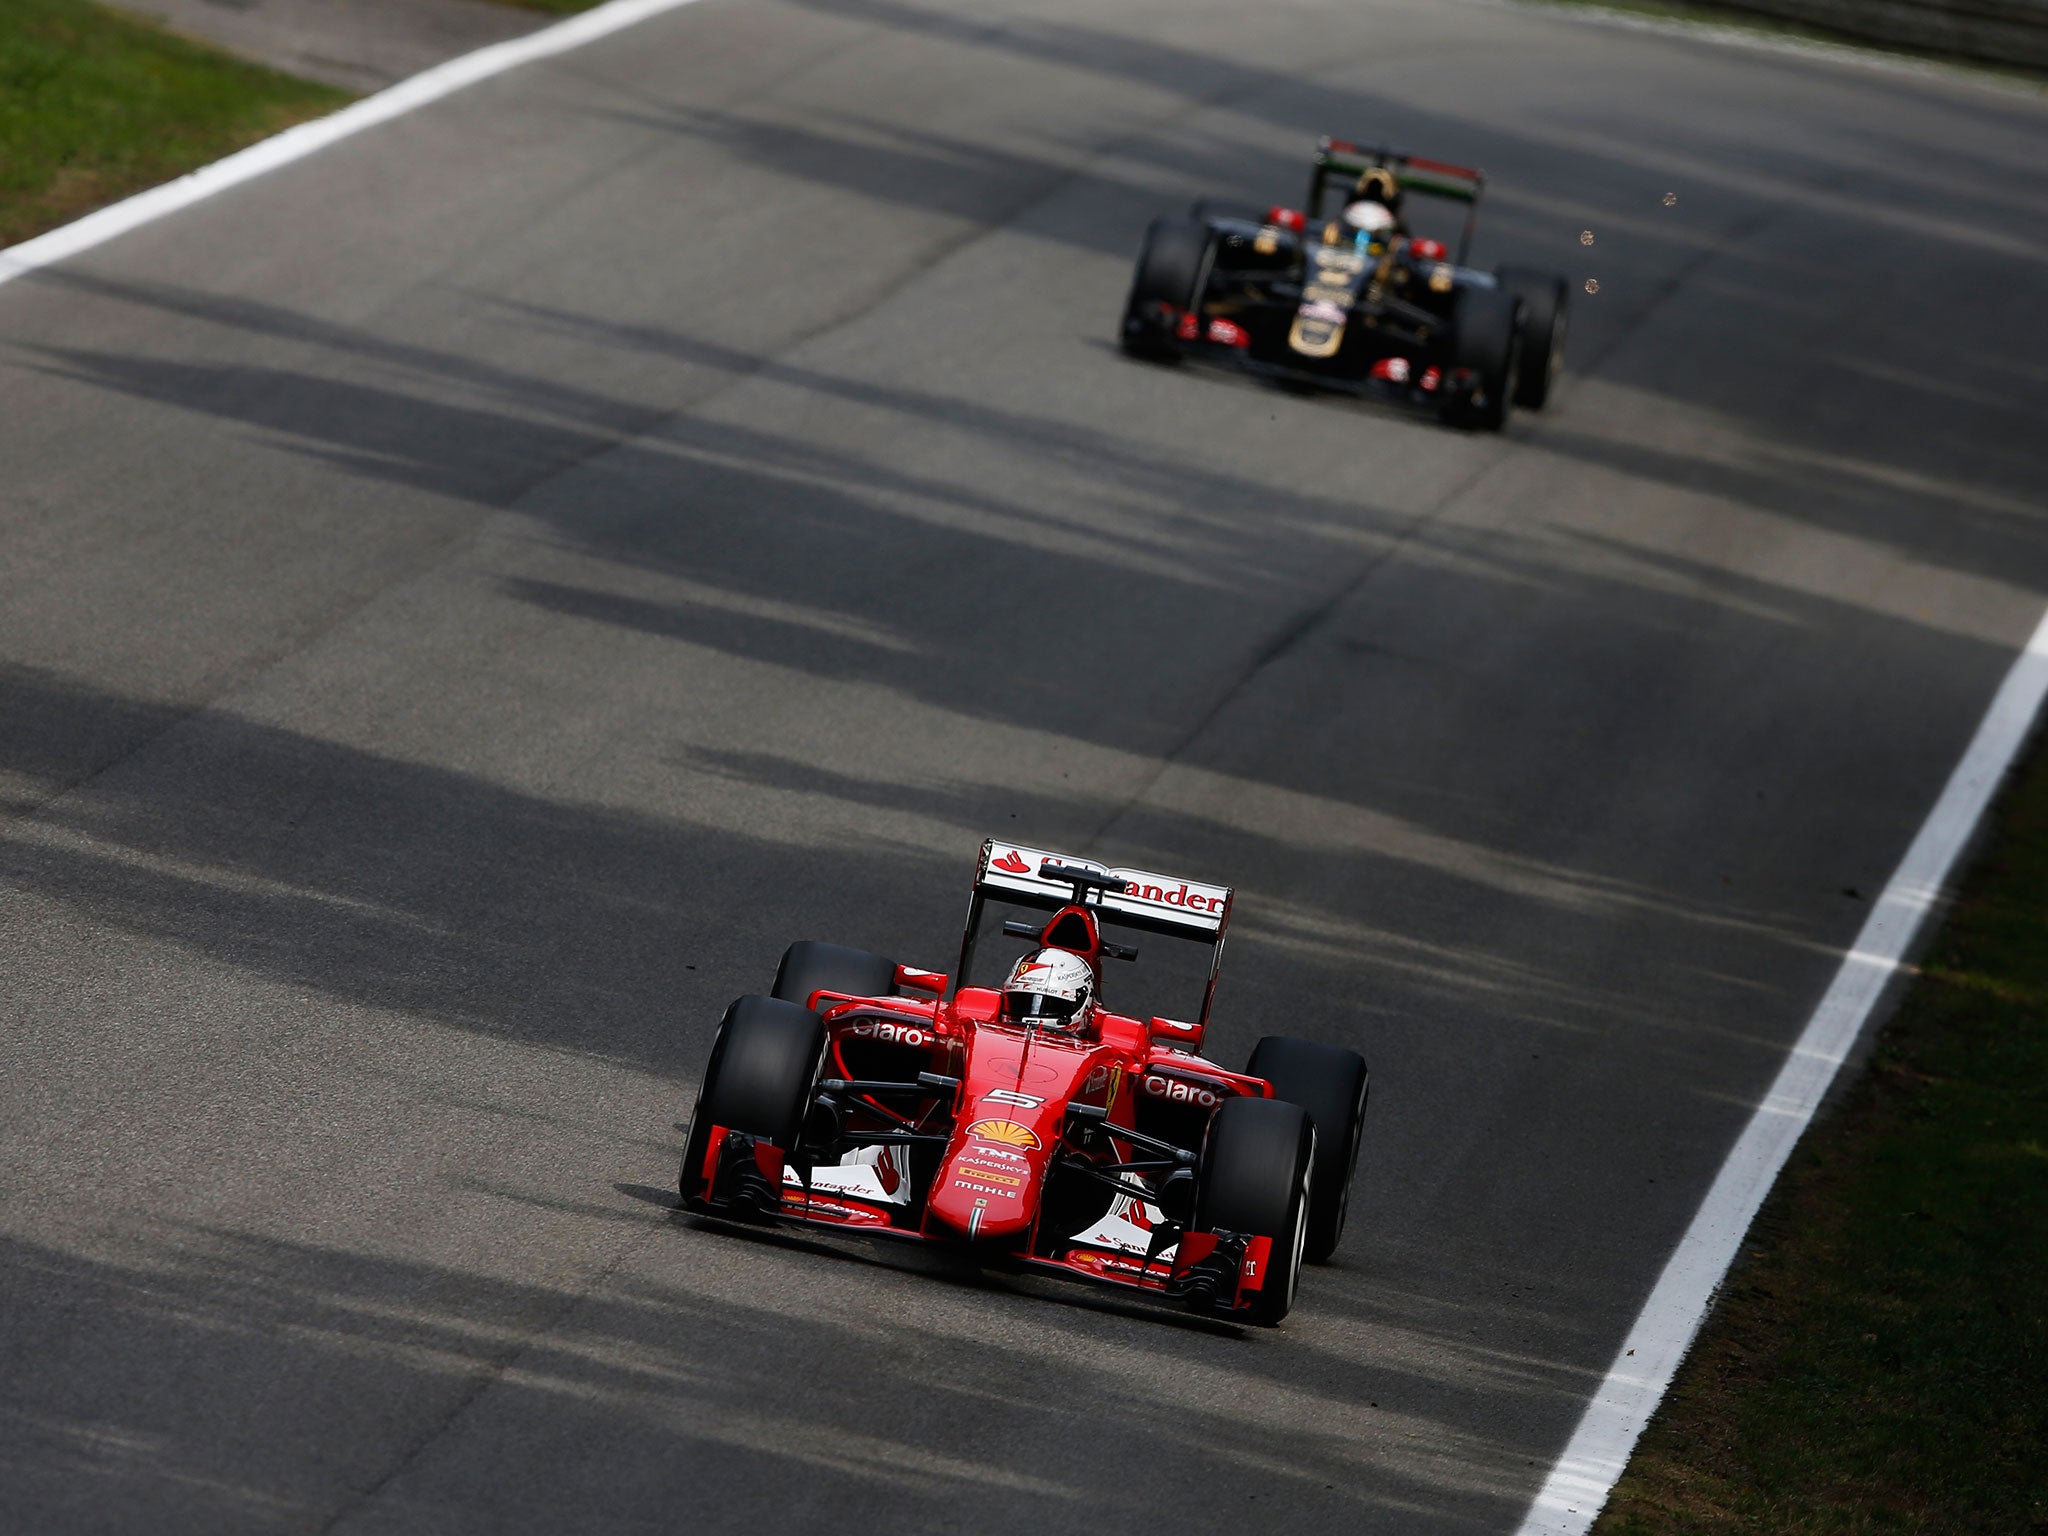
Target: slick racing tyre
1485,338
1172,264
1330,1083
1225,208
1255,1174
760,1080
809,966
1545,319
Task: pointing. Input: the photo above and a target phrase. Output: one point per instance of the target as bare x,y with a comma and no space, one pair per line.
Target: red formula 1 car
1026,1122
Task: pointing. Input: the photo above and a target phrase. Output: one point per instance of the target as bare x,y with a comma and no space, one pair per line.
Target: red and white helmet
1052,987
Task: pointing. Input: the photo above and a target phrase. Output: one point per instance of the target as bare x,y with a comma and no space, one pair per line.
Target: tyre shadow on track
950,1267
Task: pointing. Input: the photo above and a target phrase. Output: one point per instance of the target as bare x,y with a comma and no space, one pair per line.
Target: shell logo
1004,1133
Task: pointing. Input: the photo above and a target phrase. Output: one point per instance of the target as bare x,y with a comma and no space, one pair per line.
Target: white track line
307,138
1585,1474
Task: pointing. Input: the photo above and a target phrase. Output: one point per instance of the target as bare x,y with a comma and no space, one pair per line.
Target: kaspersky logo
1011,863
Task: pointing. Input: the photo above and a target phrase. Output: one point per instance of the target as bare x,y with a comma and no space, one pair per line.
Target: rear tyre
760,1080
1172,263
1330,1083
1257,1166
1485,338
809,966
1546,317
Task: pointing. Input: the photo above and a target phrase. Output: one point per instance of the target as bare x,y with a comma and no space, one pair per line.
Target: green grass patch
95,106
1878,1362
1734,18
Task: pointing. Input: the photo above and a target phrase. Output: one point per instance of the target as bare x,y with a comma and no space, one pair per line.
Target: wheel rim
1344,1189
1300,1238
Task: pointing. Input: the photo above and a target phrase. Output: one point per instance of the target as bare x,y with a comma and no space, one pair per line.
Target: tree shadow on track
446,896
238,1381
668,1375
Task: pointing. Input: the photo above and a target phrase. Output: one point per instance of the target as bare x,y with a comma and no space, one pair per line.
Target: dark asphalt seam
487,1378
1291,635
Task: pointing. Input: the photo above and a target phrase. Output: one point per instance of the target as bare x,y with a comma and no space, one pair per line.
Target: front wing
747,1178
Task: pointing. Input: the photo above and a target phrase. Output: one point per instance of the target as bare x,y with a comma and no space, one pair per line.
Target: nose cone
988,1185
1017,1090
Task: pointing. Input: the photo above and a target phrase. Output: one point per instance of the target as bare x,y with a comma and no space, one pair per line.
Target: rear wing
1338,161
1131,898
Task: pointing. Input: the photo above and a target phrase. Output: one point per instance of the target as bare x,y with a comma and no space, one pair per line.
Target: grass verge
1734,19
1879,1361
95,106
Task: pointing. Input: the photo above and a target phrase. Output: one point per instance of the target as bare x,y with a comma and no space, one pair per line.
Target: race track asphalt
470,597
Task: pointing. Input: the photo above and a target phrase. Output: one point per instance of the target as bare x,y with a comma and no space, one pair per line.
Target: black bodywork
1301,296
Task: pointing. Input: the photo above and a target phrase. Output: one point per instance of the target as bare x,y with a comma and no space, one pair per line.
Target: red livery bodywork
930,1118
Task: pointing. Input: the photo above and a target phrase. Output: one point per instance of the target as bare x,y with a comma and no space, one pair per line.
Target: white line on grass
296,143
1585,1474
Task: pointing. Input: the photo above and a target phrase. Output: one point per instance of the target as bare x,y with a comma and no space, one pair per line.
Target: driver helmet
1051,987
1373,219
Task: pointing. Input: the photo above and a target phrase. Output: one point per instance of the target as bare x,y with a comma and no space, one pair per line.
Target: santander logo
1183,897
1137,886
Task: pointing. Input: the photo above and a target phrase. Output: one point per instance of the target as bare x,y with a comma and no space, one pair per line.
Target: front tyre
1330,1083
1255,1175
1546,317
1486,344
1172,265
759,1082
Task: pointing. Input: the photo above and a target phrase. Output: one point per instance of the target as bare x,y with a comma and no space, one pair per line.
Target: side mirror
911,978
1175,1034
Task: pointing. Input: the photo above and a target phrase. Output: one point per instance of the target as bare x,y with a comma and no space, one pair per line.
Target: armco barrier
2011,32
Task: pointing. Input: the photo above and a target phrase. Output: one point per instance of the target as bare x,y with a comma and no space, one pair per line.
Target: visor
1037,1008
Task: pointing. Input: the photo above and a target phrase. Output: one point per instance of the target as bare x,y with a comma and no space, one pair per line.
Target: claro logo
1178,1092
890,1034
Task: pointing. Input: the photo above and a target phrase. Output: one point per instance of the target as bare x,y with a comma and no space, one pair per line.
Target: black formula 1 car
1341,295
